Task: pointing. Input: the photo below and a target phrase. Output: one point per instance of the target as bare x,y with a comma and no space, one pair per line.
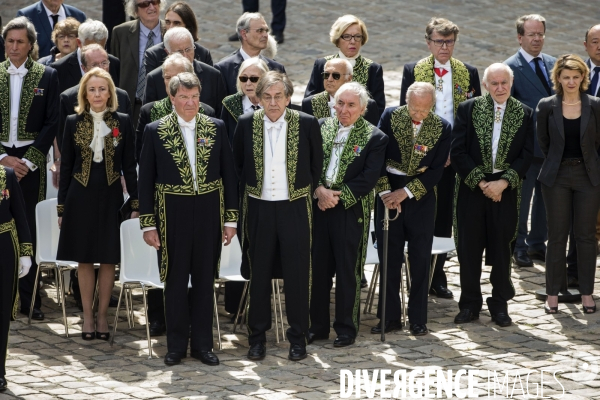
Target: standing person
568,130
349,34
354,153
455,82
492,148
277,23
97,146
30,91
64,36
113,14
279,156
531,83
414,163
188,201
16,248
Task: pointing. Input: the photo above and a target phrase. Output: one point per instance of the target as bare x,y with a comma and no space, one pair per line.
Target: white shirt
444,100
336,153
331,104
100,131
245,55
275,182
272,134
592,66
352,60
16,84
61,15
143,40
496,133
247,105
79,60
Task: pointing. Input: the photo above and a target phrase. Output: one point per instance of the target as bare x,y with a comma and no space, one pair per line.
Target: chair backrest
47,232
442,245
372,256
139,262
51,191
231,259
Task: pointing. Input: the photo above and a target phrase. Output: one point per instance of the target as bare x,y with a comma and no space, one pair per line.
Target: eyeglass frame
186,50
260,31
441,42
357,38
147,3
253,79
534,35
104,63
332,74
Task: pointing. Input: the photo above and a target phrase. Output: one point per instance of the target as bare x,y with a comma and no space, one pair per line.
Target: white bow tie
190,125
331,104
21,72
442,66
269,125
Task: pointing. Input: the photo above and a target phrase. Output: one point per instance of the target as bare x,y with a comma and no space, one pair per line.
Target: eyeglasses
146,3
441,42
536,35
70,37
335,75
186,50
102,64
348,37
195,97
253,79
260,31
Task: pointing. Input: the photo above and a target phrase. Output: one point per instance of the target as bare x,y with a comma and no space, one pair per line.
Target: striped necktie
141,83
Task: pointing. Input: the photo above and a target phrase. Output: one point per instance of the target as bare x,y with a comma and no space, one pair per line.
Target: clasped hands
151,237
18,165
393,200
327,198
493,190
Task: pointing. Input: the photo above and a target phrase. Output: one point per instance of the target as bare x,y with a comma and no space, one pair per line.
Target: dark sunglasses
253,79
146,4
336,75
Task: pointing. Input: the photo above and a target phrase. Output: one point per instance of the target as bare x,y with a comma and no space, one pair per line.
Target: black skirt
90,224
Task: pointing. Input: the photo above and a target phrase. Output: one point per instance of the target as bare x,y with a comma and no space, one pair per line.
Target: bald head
592,44
336,67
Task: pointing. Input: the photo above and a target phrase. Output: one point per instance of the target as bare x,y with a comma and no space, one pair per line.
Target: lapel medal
356,150
38,92
115,134
204,142
5,194
421,149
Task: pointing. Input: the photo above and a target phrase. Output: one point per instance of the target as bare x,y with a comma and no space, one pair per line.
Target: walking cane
382,298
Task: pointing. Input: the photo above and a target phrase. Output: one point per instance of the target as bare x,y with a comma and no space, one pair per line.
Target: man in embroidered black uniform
414,164
28,122
354,152
337,72
188,206
492,148
455,82
279,158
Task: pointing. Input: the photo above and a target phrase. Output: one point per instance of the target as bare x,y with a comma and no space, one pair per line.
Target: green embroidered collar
161,108
3,195
360,72
320,105
233,104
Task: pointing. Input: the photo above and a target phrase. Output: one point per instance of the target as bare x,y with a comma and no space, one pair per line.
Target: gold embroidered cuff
231,216
36,157
147,221
135,205
474,177
25,249
512,177
417,188
347,197
383,183
60,209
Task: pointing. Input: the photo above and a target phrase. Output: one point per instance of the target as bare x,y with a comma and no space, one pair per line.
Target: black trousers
113,14
284,227
572,190
278,9
8,287
482,224
443,220
194,246
339,248
414,225
31,185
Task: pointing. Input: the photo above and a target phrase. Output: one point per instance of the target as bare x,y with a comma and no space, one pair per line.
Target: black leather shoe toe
206,357
343,341
441,291
364,283
37,314
522,259
537,255
465,315
257,351
502,319
156,328
419,329
389,326
2,384
313,336
278,37
173,358
297,352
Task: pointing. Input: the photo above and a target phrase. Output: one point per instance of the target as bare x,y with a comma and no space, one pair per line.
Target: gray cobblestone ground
42,363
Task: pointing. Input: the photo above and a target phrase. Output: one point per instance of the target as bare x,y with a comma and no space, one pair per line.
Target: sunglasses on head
146,3
253,79
335,75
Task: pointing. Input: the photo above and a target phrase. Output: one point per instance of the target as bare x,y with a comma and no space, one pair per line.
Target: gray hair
21,23
131,7
272,78
177,59
177,33
420,89
243,22
254,61
271,50
88,49
496,67
186,79
349,69
357,89
92,30
520,23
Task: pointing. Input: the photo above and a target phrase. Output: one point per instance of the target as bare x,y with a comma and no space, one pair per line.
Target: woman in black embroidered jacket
97,146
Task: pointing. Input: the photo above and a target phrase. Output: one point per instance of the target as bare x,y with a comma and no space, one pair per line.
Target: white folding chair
47,233
229,271
51,191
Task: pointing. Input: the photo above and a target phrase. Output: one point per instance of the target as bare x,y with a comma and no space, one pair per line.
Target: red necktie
440,71
416,122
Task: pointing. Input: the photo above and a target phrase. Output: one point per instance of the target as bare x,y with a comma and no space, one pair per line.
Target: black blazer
551,136
69,72
213,88
155,56
2,50
68,102
371,113
76,158
230,66
307,157
374,84
12,207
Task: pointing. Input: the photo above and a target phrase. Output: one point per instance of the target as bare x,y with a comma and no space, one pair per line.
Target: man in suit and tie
44,15
531,69
253,33
129,42
70,68
180,40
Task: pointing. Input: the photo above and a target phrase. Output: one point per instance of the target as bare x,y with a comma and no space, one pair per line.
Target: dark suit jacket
213,88
13,208
597,94
76,159
371,113
374,83
230,67
527,87
38,17
68,101
155,56
551,136
2,50
125,45
69,72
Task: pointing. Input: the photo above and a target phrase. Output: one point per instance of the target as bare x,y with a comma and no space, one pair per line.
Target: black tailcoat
316,105
155,56
69,71
230,66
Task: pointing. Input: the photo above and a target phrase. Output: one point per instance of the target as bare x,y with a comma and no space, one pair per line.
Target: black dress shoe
173,358
156,328
311,337
257,351
441,291
572,281
278,37
103,336
2,384
419,329
465,315
522,259
37,314
297,352
343,341
206,357
537,255
502,319
389,326
234,38
364,283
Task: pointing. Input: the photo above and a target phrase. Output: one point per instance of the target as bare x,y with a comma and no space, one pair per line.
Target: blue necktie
594,83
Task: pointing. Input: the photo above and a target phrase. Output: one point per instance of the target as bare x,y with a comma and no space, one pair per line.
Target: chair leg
275,309
374,283
57,284
280,309
61,298
407,263
403,294
217,321
112,338
144,293
244,302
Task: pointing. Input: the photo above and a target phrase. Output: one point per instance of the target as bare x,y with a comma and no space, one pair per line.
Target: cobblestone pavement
42,363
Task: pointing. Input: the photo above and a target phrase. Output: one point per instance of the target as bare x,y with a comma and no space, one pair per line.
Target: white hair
177,33
177,59
349,69
497,67
131,7
356,88
271,50
92,30
420,89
